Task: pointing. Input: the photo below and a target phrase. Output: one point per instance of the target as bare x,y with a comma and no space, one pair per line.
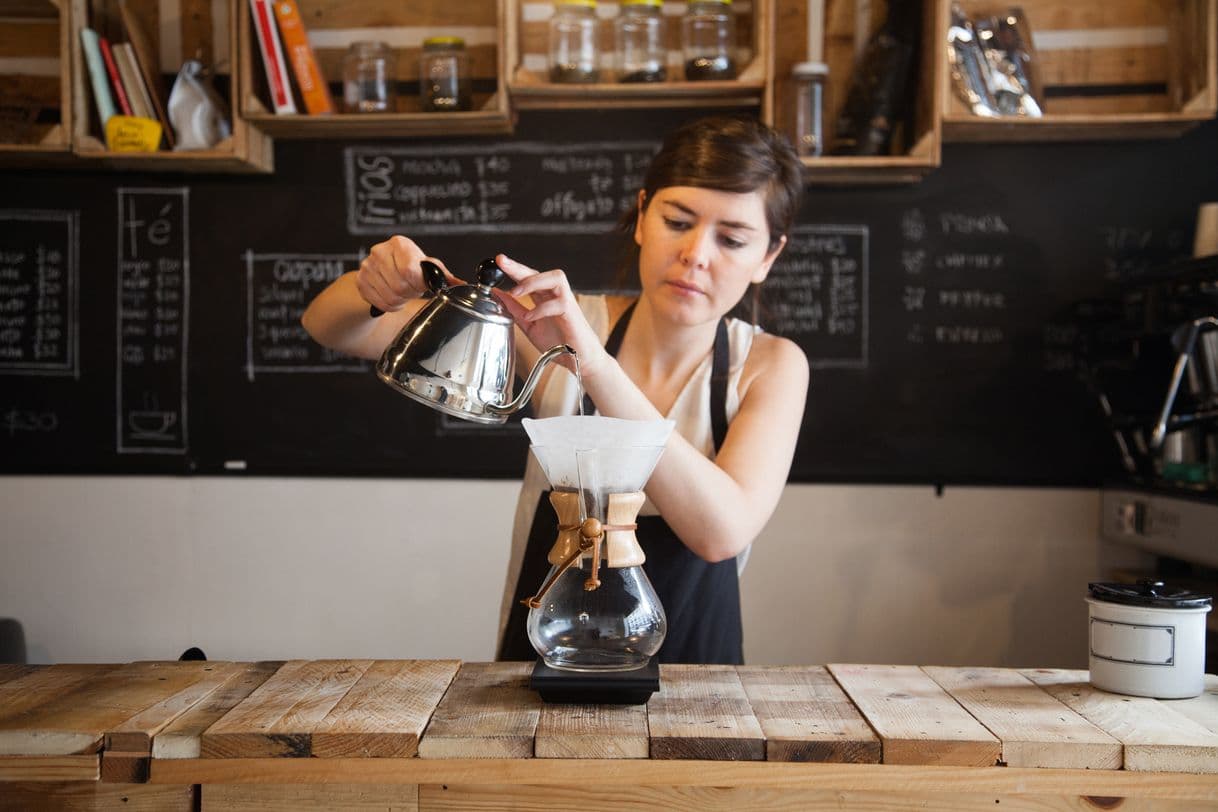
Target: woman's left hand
554,316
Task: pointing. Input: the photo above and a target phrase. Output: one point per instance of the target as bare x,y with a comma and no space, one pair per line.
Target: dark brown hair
728,154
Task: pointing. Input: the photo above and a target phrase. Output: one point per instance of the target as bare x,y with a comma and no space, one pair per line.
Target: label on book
132,134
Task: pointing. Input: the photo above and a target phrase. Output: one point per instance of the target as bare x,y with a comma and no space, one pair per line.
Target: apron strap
720,363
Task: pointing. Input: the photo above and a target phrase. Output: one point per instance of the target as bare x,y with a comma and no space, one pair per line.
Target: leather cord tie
591,534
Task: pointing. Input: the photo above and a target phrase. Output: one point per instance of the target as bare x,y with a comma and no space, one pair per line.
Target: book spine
272,57
309,80
112,71
141,101
97,75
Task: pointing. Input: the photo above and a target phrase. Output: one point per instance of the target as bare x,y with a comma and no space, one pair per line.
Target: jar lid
444,42
809,69
1149,593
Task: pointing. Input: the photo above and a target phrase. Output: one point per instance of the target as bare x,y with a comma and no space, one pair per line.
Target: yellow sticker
133,134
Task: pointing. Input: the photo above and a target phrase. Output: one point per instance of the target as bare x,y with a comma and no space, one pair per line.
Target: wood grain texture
183,737
301,797
385,712
20,695
805,716
135,734
77,721
10,671
1036,730
916,720
278,718
488,712
49,768
1202,709
702,712
89,796
118,767
592,731
1157,738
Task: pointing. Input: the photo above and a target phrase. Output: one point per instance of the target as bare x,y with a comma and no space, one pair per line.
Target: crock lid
1149,593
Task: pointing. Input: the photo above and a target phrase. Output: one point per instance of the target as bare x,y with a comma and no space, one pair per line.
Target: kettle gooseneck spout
530,383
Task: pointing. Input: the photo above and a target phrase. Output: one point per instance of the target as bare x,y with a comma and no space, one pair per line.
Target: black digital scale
598,688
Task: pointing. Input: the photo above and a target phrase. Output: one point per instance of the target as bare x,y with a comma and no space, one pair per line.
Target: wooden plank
118,767
9,671
805,716
183,737
917,722
385,713
135,734
48,768
488,712
592,731
443,798
76,722
88,796
433,14
1035,729
702,712
278,718
290,798
29,38
1201,709
1157,738
20,695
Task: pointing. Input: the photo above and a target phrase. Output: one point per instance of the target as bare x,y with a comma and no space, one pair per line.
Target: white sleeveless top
691,412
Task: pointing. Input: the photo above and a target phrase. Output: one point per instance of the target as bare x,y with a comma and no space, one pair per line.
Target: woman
713,215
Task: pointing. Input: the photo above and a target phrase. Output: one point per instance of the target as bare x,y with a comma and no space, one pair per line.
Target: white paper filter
635,445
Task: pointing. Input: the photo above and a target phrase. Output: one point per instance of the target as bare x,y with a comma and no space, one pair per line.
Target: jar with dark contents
638,38
444,83
708,40
573,51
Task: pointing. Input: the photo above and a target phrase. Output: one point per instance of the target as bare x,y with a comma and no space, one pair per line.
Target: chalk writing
39,279
521,187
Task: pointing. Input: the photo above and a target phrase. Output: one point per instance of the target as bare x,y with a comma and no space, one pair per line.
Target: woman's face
699,249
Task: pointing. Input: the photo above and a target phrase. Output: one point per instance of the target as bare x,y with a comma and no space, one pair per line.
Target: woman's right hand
392,274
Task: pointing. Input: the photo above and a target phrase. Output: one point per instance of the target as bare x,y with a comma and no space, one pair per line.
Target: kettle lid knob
489,273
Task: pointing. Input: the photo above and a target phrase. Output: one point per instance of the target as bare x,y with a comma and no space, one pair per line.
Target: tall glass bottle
573,51
639,42
708,40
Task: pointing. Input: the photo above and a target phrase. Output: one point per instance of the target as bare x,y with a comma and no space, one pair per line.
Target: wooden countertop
997,733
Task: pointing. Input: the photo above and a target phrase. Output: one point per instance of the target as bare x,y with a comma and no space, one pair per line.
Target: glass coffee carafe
596,610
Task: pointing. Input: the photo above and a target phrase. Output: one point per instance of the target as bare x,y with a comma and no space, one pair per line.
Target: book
97,75
116,81
149,67
272,57
129,71
312,85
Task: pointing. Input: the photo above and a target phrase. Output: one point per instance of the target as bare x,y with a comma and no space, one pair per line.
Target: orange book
312,85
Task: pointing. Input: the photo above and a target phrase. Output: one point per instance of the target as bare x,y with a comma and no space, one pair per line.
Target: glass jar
369,78
809,107
638,39
573,54
444,82
708,40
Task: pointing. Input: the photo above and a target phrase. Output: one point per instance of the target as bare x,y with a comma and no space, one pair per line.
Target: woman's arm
389,278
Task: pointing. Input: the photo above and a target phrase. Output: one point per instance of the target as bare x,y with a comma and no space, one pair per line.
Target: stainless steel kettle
458,354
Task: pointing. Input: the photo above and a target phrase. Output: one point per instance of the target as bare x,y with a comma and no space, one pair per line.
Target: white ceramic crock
1147,639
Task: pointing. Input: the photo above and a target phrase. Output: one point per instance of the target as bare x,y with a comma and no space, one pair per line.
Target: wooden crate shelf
246,150
36,119
333,24
527,49
847,25
1112,69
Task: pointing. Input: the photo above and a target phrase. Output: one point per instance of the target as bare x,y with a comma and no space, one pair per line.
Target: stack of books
289,36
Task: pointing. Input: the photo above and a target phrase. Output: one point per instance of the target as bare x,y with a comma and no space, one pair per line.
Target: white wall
117,569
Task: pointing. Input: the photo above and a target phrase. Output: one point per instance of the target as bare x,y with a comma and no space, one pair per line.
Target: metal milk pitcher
458,354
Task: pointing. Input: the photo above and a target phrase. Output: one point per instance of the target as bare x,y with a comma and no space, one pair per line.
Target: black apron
701,600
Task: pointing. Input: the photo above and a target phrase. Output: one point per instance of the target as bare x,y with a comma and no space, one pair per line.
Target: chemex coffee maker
595,620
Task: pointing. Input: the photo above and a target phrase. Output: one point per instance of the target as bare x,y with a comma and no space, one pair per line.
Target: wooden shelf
1112,69
246,150
844,34
36,34
526,45
333,24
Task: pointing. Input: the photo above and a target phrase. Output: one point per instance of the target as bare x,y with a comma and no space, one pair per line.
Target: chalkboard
150,323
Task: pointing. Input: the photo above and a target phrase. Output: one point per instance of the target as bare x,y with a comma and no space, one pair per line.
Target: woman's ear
763,270
638,222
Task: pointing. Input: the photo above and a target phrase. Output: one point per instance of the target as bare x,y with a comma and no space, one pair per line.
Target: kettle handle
432,275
